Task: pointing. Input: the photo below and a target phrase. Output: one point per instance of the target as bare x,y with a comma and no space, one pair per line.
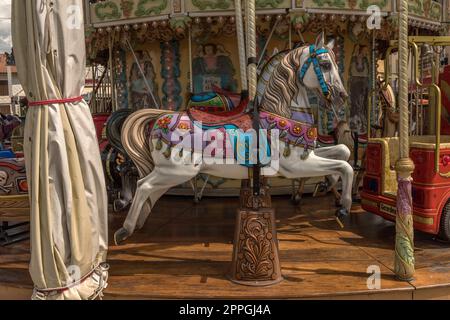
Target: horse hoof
323,187
120,236
297,199
120,205
341,215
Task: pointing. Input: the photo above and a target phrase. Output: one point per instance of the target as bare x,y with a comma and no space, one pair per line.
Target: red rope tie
55,101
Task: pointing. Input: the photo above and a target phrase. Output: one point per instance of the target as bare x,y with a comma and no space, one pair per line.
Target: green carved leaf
405,249
217,4
107,10
330,3
416,6
435,11
268,3
156,7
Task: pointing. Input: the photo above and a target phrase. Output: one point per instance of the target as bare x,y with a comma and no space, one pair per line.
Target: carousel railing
101,100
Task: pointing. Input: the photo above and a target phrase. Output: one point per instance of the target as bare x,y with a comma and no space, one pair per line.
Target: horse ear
330,44
320,41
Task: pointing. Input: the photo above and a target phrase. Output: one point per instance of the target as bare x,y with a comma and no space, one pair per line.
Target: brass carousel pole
255,248
404,237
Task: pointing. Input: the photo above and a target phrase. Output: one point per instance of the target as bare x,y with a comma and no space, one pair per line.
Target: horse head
318,71
310,67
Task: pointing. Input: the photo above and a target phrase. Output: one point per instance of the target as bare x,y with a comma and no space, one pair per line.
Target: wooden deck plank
184,251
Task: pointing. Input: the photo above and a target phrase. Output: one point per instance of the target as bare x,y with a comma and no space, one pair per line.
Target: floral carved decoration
107,10
255,252
144,10
218,4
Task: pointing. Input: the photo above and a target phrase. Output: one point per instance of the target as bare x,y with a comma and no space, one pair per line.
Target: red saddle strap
55,101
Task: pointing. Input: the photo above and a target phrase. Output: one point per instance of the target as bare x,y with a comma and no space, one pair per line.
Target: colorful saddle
217,101
237,118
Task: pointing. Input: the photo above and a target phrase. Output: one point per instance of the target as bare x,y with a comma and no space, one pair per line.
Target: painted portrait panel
142,83
212,67
359,88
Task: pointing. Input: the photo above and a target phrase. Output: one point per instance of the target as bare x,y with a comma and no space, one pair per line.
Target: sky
5,26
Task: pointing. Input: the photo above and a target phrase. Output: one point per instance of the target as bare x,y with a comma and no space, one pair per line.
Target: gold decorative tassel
168,152
287,151
159,145
305,154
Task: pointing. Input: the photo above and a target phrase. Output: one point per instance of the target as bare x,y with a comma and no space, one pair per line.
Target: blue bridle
313,54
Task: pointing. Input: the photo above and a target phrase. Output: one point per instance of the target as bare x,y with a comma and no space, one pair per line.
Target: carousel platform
184,251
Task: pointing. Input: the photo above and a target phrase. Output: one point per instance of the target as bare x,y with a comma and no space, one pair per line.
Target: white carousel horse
302,111
311,67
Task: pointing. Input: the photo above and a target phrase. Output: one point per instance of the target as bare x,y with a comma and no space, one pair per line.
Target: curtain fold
66,184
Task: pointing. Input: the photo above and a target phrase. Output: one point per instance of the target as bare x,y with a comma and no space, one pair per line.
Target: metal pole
241,44
111,71
10,91
191,76
255,203
143,75
261,57
252,85
94,94
251,48
404,236
371,107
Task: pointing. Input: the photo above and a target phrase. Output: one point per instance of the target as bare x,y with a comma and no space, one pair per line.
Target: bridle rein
314,61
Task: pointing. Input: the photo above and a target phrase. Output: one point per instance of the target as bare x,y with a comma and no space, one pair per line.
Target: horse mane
282,85
267,71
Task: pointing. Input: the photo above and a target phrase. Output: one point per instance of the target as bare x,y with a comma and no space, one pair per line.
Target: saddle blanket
230,136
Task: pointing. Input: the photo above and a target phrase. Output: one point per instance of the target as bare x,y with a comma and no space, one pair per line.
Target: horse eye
326,66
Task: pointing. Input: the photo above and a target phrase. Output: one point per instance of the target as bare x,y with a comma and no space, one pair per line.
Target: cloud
5,26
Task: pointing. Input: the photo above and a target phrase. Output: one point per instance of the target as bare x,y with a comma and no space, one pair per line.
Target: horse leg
315,166
359,177
149,190
297,194
339,152
126,194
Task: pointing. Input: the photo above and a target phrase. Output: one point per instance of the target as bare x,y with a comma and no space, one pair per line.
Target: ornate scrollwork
218,4
248,200
256,248
107,10
143,10
268,3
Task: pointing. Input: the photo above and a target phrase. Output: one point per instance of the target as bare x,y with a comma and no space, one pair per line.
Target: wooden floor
184,251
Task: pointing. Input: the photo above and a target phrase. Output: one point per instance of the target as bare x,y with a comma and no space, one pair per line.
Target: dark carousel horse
120,172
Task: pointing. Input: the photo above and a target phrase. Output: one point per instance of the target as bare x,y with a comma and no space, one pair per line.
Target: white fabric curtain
67,187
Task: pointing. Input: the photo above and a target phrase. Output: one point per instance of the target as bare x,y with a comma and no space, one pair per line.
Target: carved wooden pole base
404,236
255,251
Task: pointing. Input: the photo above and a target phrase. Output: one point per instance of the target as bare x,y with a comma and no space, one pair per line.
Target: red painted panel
99,122
373,159
424,166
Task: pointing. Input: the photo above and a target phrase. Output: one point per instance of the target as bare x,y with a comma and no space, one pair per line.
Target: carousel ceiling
165,20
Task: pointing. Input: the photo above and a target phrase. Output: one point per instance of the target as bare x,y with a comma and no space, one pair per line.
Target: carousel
328,118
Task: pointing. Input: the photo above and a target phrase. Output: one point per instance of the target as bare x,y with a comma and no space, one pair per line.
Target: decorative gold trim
392,210
369,203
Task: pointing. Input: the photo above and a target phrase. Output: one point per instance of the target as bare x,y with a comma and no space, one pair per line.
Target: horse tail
114,128
136,141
